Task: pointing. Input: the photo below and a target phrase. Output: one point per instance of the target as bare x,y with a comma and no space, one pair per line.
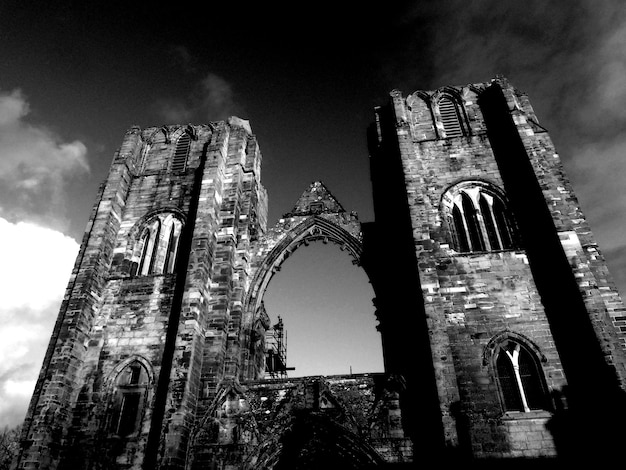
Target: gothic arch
485,222
180,130
422,117
313,228
453,122
517,366
227,389
228,422
312,440
135,232
419,95
120,366
451,92
488,351
149,139
127,399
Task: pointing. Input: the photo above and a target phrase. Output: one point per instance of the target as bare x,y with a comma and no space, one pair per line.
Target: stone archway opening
307,271
325,303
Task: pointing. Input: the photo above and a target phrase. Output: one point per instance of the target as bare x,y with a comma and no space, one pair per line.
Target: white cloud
39,262
36,165
13,107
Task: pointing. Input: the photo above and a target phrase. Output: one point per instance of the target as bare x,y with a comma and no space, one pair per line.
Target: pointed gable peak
316,199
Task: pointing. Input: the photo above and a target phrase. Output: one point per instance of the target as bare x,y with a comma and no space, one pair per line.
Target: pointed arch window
129,399
520,378
472,223
478,218
150,244
179,162
157,247
450,117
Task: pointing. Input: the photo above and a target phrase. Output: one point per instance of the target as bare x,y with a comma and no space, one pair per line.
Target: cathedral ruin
502,330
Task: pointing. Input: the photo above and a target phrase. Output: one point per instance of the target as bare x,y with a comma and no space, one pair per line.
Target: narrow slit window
179,162
450,117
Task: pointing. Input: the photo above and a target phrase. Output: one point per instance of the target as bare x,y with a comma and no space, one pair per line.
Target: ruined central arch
316,216
302,422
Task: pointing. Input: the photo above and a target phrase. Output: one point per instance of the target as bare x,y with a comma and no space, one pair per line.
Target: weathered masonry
503,333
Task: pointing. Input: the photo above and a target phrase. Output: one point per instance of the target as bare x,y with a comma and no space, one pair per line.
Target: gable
316,199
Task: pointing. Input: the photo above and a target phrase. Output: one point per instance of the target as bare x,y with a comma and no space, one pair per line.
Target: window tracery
157,247
478,218
520,377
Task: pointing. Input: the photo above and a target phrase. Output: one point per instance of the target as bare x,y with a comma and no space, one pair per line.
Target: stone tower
502,330
516,328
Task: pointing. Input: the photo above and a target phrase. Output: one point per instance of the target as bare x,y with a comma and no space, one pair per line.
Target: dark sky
75,75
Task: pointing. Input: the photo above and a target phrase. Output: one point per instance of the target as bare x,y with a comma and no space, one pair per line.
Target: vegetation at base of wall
9,444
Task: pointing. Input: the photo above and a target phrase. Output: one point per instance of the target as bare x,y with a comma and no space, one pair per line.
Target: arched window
450,117
149,244
156,249
520,377
179,162
478,219
459,231
472,223
129,398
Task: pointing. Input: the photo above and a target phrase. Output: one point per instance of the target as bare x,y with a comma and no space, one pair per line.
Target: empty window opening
450,117
325,304
520,378
128,400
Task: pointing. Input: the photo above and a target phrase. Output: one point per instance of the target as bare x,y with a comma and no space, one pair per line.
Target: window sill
520,415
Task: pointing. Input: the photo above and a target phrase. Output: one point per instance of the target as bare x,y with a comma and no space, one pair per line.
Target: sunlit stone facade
502,331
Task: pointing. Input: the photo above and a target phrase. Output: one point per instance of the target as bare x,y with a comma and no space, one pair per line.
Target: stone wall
348,421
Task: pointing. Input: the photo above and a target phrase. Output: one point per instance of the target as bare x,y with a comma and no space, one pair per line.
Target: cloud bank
36,166
41,261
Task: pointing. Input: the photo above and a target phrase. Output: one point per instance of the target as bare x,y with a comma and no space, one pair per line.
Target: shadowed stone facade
503,333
